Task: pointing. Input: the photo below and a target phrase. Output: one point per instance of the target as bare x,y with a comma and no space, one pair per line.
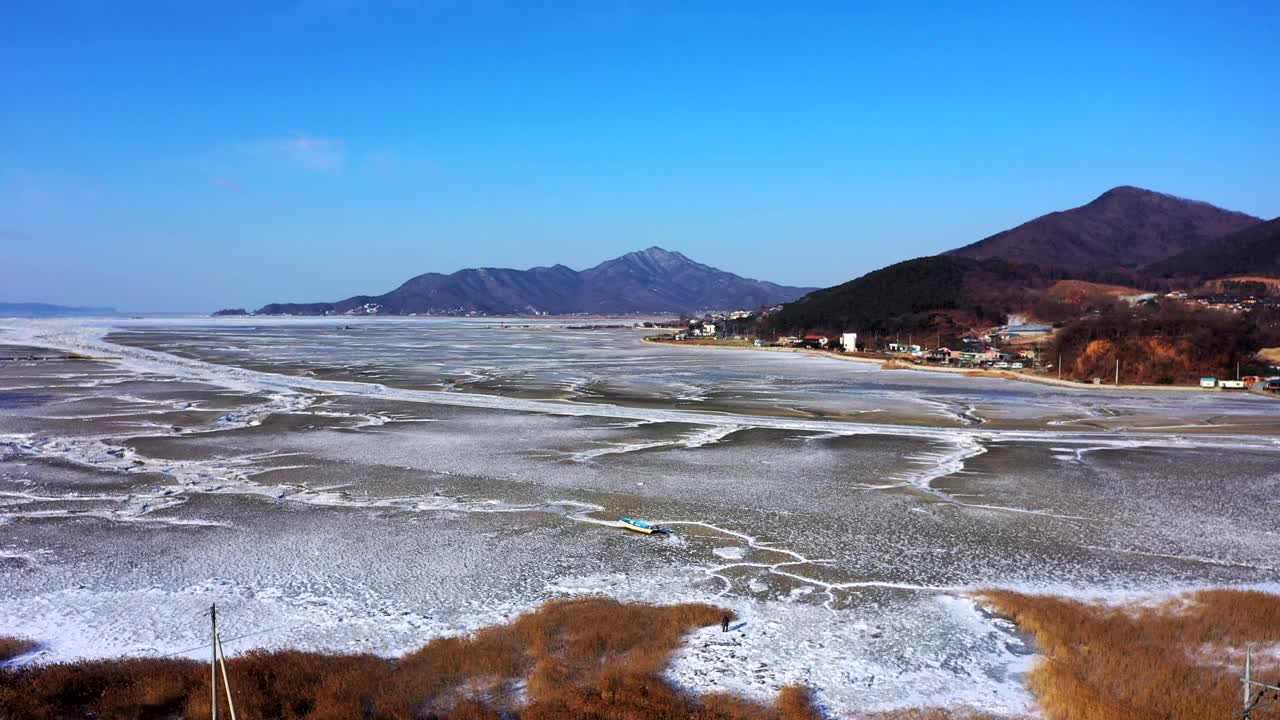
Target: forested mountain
1124,228
929,294
1252,251
648,281
1115,238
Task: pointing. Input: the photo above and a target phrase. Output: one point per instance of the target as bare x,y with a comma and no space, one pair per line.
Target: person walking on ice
724,624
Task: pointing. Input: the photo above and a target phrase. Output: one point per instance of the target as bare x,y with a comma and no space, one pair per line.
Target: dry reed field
11,648
1178,659
591,658
598,659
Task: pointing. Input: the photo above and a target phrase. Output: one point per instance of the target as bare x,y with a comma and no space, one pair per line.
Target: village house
977,356
940,355
1013,332
849,341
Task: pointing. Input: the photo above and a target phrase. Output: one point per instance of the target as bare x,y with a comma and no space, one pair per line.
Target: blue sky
192,155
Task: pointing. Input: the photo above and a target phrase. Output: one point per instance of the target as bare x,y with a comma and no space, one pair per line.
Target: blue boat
643,527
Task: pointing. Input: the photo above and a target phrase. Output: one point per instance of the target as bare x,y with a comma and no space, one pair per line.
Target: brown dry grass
597,659
1177,659
1080,292
11,647
1224,284
590,659
594,659
709,342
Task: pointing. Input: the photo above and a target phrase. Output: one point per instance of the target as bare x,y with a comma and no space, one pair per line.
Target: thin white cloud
297,151
311,152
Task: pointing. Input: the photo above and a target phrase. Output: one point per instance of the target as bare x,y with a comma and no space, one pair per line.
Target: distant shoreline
893,364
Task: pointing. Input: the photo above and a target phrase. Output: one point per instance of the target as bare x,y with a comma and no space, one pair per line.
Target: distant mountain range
648,281
1127,236
1124,228
46,310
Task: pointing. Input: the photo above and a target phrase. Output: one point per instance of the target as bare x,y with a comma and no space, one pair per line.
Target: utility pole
218,658
1248,679
213,663
1059,366
1117,372
1249,683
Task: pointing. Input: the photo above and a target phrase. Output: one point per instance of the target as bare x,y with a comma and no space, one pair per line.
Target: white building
849,341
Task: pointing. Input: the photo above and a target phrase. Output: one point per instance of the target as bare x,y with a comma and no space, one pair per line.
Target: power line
227,640
1249,684
1258,704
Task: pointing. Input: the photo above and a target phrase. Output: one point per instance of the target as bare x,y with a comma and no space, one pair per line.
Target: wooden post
1248,680
213,664
226,683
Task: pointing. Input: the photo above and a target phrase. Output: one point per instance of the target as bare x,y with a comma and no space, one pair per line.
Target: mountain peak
1134,194
651,260
1130,191
657,254
1124,227
653,280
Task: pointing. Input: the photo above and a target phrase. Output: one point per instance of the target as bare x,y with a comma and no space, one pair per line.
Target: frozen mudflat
368,485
